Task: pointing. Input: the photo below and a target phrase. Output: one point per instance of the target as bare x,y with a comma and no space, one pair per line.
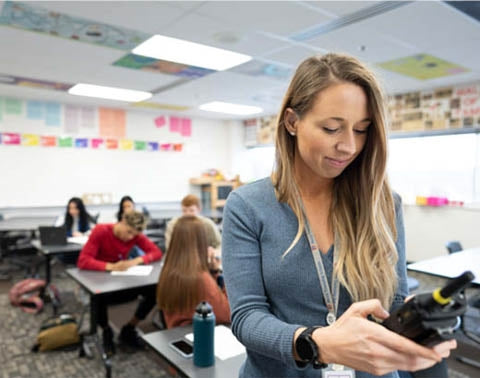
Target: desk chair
18,254
453,246
94,218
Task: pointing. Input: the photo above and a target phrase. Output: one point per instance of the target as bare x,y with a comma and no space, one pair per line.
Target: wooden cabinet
214,192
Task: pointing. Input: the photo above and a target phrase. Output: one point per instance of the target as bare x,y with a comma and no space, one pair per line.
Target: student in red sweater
107,249
189,276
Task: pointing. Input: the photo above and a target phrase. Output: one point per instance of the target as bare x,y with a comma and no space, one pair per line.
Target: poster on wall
52,114
35,110
111,122
87,117
437,109
71,119
13,106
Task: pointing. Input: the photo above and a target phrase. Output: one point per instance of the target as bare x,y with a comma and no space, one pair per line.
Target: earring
292,133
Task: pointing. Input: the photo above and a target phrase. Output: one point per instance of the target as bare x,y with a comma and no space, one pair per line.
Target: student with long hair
126,204
77,220
310,252
189,276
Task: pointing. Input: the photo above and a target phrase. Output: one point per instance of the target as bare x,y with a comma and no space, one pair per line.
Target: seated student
191,206
77,220
126,204
107,249
189,276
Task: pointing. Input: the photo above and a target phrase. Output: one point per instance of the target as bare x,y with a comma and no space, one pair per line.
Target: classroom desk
452,265
25,223
98,284
49,251
158,341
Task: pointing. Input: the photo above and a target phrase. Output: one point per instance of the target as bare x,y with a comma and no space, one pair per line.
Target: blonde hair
135,219
179,288
362,211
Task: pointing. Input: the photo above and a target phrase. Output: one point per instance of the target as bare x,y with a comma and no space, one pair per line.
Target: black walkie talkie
431,318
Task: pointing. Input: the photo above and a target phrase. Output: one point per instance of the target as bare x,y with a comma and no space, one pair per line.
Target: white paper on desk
137,270
82,240
226,344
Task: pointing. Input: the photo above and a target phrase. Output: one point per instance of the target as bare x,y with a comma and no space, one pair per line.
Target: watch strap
316,364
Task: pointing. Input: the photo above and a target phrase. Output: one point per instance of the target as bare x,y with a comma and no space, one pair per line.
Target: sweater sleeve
88,256
168,231
402,290
213,234
217,299
152,252
252,321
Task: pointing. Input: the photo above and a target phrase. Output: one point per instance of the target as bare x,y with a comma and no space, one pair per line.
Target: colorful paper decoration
160,121
186,127
97,143
65,142
166,146
30,140
140,145
111,144
48,141
11,138
81,142
174,124
126,144
152,146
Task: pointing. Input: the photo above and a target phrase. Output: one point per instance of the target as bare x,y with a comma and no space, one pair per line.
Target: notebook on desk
50,235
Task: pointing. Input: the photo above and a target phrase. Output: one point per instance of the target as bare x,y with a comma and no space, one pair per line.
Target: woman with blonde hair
312,251
189,276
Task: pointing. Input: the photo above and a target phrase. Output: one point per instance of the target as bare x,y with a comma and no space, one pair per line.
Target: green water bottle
203,335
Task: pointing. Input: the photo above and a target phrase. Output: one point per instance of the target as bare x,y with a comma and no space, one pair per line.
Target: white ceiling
263,29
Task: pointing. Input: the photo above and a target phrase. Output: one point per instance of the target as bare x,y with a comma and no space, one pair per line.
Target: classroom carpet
19,329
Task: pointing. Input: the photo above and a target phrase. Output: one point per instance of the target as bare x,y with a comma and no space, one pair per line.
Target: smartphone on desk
182,347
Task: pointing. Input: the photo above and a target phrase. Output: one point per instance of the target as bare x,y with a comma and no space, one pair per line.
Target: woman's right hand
367,346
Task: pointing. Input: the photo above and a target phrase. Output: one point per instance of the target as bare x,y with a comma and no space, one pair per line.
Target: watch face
304,349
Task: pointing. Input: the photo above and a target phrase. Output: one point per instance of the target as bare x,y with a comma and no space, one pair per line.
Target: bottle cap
204,309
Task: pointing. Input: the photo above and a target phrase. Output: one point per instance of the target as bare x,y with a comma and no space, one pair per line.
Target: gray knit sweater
271,297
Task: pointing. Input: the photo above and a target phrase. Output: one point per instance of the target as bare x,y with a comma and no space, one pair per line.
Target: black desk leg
47,269
93,314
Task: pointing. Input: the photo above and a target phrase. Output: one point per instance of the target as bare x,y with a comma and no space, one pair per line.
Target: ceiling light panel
194,54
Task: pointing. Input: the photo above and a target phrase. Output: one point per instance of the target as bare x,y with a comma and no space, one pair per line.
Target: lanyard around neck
330,295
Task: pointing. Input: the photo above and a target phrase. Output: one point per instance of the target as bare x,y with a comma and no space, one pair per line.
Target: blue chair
453,246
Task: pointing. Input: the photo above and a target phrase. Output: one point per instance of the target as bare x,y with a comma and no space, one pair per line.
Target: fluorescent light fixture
110,93
194,54
227,108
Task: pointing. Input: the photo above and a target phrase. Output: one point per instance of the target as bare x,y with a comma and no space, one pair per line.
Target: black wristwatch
307,349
